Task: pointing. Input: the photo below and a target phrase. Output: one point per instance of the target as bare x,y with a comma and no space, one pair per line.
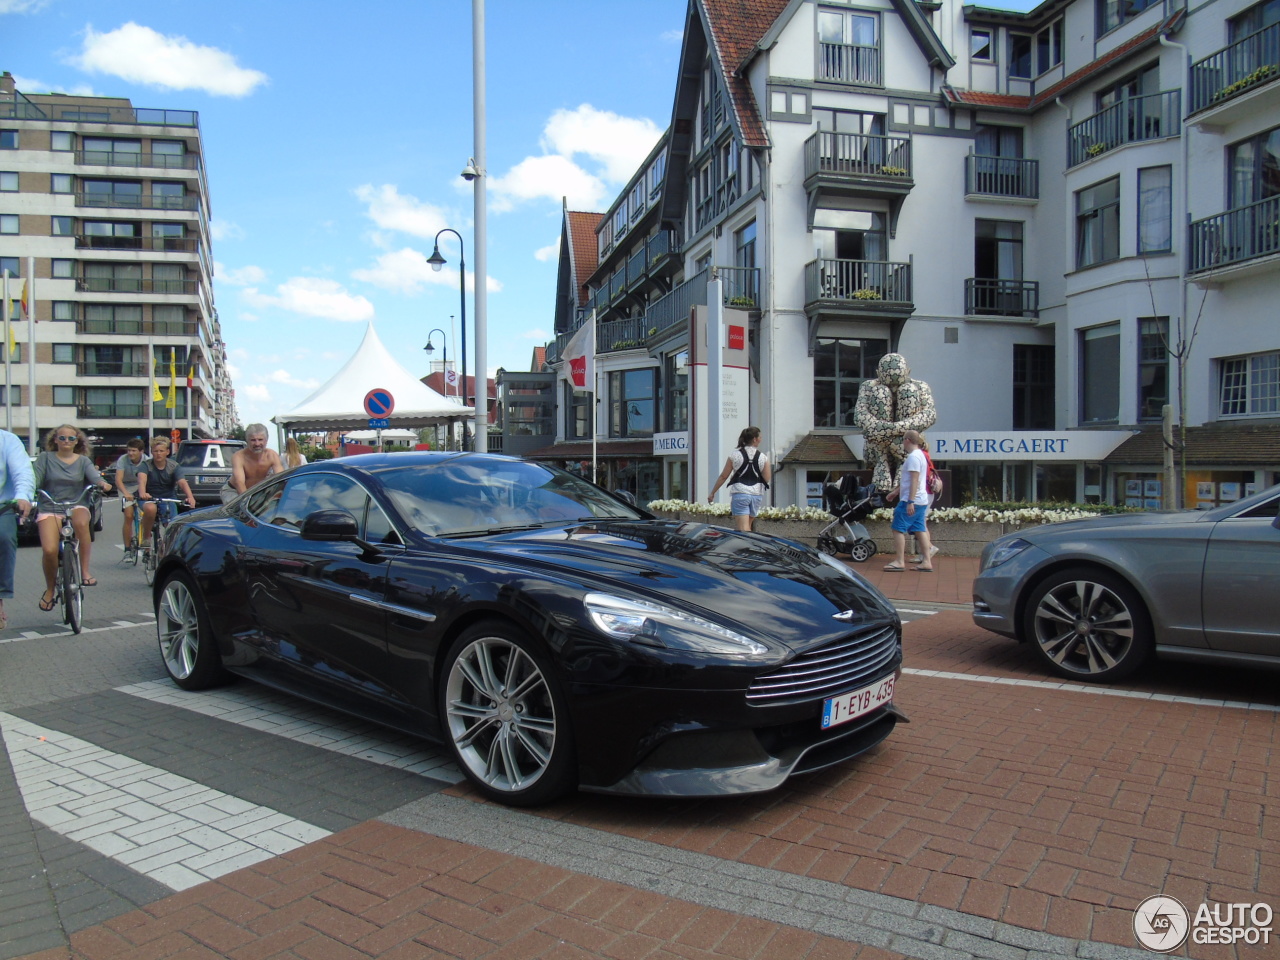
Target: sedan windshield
473,495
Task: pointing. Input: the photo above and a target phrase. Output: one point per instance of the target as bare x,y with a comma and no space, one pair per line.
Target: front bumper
997,590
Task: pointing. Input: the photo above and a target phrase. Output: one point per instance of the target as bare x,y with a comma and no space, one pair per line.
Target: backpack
749,473
933,479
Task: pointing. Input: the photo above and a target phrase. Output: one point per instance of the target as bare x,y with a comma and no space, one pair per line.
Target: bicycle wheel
72,591
152,555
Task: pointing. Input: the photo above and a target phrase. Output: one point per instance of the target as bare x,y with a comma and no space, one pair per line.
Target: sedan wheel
505,717
187,646
1089,625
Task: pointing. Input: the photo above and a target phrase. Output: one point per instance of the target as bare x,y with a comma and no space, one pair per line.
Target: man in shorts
253,464
127,483
160,478
912,507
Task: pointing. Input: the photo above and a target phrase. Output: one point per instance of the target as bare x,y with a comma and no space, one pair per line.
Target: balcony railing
1014,177
111,368
850,63
21,108
158,328
118,158
741,287
1132,120
140,201
109,411
154,244
131,285
1236,236
674,307
866,281
857,155
984,297
1248,62
620,335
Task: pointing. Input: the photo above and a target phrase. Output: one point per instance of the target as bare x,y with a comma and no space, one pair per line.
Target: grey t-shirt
127,473
65,481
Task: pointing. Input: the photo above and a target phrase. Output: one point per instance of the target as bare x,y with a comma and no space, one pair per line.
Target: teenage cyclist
159,478
127,483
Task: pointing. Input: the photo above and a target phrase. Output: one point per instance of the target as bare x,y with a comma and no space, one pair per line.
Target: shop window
632,402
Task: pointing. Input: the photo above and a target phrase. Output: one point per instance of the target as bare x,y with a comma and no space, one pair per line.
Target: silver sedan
1098,598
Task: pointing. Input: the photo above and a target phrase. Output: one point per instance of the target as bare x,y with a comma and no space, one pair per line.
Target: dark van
207,466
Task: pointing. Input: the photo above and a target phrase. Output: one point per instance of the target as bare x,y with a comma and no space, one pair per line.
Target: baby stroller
850,504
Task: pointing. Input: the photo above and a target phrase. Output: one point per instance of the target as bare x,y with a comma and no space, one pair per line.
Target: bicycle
134,546
68,586
153,552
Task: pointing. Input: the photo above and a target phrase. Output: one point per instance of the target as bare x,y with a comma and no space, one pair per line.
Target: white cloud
313,297
239,276
549,252
22,6
257,391
671,36
289,380
539,335
619,143
31,85
225,230
140,55
548,177
406,271
391,210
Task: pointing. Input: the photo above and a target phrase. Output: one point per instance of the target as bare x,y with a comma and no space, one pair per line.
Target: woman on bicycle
63,470
160,478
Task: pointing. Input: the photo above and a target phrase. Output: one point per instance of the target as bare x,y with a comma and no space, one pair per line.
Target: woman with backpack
748,472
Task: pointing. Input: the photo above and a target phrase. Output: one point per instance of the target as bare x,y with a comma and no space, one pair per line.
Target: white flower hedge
941,515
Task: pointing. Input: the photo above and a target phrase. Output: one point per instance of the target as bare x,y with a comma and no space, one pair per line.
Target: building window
64,353
63,310
12,264
64,396
1251,385
63,269
1033,386
980,47
675,382
1256,18
61,140
1155,210
849,46
8,182
1254,164
8,223
17,395
1112,13
839,367
1153,367
60,183
1098,223
108,318
632,402
656,173
1049,47
8,139
1020,56
1100,374
61,226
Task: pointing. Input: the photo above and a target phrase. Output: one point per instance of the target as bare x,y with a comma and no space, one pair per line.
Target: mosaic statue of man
888,406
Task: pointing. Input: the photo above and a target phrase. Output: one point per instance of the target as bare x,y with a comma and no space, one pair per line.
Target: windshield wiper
484,532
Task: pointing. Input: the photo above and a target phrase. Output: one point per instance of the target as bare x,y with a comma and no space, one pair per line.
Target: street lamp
437,262
444,345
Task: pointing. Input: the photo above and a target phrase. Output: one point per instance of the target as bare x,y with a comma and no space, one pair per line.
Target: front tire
72,591
151,556
187,644
505,718
1088,624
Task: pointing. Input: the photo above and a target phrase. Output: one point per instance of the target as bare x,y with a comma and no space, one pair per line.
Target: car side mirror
337,526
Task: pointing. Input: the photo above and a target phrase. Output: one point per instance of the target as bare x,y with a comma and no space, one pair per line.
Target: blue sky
334,135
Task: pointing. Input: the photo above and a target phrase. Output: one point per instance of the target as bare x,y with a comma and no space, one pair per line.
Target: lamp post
444,345
437,262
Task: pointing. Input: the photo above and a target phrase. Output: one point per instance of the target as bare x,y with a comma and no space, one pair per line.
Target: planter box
951,539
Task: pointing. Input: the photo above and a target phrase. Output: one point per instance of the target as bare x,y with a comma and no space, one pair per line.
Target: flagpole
595,401
31,358
151,398
8,351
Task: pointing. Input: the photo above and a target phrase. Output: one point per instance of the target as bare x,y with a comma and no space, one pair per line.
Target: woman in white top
293,457
748,472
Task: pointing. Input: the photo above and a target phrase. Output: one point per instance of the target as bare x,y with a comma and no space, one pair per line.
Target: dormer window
981,47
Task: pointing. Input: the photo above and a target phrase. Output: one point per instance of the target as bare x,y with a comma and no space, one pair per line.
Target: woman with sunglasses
63,470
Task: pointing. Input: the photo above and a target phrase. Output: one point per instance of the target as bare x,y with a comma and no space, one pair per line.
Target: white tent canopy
339,404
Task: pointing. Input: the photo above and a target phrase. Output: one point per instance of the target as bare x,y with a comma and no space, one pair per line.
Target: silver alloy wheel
178,627
1084,627
862,551
500,714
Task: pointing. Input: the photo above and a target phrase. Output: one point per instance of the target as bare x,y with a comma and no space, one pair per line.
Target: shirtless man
253,464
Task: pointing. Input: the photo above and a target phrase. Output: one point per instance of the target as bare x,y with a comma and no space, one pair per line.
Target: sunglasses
68,439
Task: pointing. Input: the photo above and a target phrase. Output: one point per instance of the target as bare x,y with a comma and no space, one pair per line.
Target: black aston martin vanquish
551,634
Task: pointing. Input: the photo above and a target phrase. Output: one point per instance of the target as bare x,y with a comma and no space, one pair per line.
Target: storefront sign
670,444
1040,445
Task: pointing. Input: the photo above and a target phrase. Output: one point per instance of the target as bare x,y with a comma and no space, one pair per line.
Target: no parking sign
378,403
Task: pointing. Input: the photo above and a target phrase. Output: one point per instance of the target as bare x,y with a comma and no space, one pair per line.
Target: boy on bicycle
127,483
159,478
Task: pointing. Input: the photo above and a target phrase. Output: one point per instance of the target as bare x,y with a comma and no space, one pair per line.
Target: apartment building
110,203
1065,219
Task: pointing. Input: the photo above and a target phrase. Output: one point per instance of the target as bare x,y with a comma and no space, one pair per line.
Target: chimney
7,88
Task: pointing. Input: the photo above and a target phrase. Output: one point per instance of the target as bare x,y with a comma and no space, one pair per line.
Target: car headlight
642,621
1006,551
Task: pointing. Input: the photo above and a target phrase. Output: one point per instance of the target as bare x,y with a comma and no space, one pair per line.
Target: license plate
217,480
850,706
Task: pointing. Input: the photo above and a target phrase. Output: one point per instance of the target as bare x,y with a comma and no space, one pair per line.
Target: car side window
1267,510
263,502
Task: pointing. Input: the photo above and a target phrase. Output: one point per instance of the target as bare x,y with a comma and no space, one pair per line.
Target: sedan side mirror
330,525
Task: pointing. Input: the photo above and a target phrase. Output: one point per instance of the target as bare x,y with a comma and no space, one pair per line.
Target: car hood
1113,522
775,585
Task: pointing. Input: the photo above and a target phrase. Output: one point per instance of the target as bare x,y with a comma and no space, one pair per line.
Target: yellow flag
172,400
156,395
13,339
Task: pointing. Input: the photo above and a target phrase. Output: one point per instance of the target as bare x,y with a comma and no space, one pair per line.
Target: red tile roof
583,248
736,27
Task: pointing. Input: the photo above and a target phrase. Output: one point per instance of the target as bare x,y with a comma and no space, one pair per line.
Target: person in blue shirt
17,482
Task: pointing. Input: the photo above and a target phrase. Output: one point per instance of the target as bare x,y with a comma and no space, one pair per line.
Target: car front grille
851,662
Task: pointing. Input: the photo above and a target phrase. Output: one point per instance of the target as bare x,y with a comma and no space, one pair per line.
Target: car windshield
469,496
